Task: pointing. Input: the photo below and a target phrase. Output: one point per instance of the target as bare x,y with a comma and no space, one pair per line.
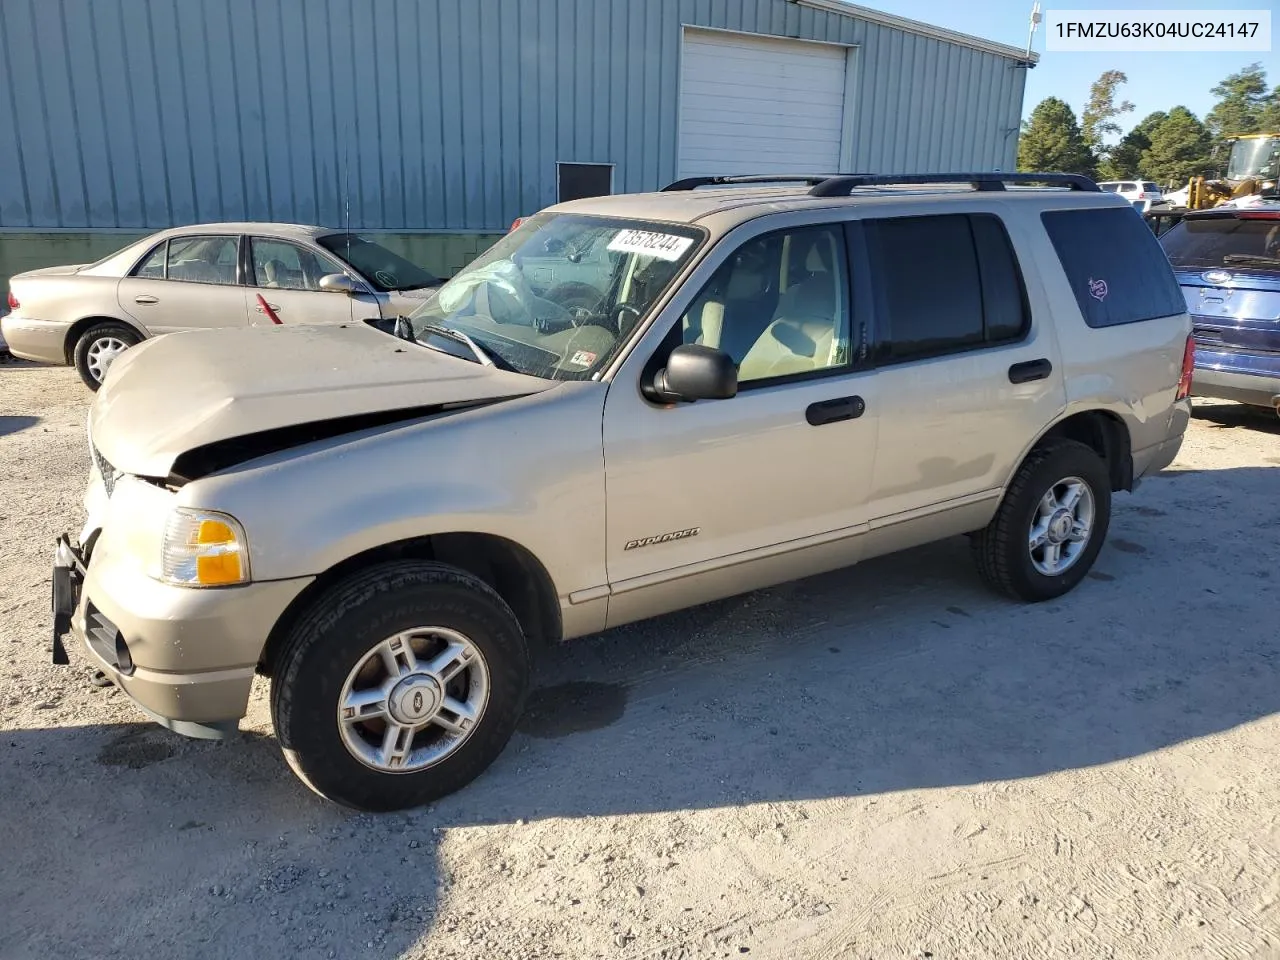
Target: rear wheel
1050,525
399,686
98,348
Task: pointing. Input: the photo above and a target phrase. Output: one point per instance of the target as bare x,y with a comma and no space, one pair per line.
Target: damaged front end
218,455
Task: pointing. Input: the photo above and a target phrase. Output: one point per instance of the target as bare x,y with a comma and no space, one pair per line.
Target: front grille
109,473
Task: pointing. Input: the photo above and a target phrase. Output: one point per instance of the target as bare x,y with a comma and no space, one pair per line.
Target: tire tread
993,548
311,628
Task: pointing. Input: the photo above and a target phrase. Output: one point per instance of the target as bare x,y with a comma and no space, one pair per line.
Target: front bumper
41,340
185,656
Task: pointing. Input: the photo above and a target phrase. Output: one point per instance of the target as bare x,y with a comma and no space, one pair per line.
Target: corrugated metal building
442,120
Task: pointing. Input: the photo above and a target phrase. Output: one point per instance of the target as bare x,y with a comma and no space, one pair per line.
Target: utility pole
1035,22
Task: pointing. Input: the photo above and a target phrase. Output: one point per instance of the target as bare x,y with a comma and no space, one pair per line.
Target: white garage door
759,105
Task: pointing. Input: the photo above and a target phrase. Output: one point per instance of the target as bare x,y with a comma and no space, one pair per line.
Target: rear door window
1228,242
944,284
1150,187
1114,264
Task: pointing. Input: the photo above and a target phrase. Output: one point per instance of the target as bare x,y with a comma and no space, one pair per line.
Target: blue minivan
1228,263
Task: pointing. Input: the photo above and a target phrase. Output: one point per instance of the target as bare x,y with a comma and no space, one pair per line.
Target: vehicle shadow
1232,415
901,674
16,424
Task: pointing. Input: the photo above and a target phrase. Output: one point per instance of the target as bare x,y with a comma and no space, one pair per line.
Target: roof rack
812,179
844,184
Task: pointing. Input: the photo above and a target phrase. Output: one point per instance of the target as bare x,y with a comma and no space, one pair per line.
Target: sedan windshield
558,296
385,270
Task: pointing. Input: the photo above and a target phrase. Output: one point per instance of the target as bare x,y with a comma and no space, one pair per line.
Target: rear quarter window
1115,265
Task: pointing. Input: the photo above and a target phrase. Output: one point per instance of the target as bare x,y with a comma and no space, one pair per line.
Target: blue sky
1157,81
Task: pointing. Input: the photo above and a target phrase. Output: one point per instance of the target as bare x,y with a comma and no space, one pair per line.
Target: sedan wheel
101,353
98,348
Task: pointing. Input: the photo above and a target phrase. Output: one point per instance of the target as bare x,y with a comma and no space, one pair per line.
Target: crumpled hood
180,391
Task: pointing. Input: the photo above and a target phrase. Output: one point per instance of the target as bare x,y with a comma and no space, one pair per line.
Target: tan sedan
204,276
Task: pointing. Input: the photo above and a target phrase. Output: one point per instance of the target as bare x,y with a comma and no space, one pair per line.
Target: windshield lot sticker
583,358
1098,289
665,246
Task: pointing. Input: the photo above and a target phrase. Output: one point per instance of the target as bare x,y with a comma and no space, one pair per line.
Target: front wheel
1050,525
399,686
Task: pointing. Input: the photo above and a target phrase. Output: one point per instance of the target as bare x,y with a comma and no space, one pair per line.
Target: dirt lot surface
882,762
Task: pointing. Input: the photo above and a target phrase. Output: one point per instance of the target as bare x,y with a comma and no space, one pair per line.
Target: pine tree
1242,101
1051,141
1180,148
1124,161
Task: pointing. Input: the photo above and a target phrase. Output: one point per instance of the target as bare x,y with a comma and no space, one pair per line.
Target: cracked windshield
558,296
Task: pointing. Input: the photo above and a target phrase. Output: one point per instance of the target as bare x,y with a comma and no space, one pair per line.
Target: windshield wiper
404,329
1249,258
452,333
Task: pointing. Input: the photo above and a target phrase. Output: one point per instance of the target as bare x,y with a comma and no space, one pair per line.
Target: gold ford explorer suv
629,405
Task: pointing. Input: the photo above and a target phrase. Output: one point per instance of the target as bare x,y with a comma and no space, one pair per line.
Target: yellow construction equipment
1253,167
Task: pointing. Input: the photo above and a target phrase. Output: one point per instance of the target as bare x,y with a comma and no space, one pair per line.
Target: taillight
515,223
1188,368
13,301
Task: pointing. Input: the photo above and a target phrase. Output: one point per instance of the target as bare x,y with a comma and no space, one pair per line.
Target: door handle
833,411
269,306
1030,370
146,298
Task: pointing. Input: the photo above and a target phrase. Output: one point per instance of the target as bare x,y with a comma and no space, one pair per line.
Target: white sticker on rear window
665,246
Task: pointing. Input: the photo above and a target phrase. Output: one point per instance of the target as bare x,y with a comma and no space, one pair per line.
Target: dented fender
529,469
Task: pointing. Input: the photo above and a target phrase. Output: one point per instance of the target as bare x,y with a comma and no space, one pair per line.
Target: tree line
1168,147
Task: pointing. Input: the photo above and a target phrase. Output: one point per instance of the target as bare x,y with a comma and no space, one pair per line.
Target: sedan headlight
204,549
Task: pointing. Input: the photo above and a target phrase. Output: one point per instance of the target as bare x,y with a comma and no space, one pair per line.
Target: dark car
1228,263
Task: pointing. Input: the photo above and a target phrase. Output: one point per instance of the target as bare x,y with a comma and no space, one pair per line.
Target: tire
106,336
342,630
1002,551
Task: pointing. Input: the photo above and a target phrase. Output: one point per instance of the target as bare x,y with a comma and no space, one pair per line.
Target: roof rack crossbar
812,179
843,185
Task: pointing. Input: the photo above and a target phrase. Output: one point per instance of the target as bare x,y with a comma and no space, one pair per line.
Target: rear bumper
41,340
1153,459
1244,378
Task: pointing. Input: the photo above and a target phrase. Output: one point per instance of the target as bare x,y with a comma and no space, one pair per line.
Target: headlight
204,549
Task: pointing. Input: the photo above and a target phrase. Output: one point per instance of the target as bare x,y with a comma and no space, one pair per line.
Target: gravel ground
884,762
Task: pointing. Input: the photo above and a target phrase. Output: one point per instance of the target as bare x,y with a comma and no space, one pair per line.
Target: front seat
274,272
728,317
802,336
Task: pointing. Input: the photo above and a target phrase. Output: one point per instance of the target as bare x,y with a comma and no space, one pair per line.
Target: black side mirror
695,372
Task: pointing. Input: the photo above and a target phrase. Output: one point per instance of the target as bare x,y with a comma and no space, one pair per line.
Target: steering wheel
623,310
